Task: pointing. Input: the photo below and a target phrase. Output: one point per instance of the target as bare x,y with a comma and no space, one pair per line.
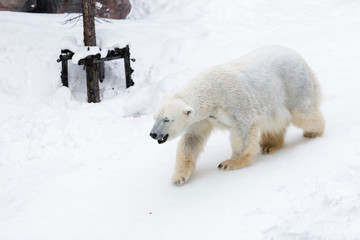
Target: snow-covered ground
73,170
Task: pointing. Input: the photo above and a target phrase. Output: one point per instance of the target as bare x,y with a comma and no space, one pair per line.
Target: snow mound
105,38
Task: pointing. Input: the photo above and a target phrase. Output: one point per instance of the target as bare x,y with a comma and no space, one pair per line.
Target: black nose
153,135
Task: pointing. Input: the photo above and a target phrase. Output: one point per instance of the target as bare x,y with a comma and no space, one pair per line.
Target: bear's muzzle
161,138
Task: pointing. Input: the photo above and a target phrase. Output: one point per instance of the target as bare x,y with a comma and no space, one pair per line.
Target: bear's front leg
189,148
185,165
243,151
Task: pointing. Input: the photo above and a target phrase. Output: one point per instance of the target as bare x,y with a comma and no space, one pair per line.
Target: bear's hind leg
272,141
313,123
241,157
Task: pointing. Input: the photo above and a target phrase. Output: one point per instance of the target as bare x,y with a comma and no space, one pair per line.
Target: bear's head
171,119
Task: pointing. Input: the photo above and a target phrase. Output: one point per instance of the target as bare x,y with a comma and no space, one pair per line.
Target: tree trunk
92,74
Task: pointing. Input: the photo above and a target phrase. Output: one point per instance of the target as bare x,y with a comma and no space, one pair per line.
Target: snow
98,5
105,39
73,170
83,52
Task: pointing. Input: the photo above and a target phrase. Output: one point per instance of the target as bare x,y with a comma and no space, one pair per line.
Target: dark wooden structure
97,61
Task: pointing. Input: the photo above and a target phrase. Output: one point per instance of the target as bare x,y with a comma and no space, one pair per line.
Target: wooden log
64,72
101,67
128,70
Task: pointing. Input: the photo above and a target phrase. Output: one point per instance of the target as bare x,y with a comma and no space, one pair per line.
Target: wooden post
93,91
101,71
128,70
64,72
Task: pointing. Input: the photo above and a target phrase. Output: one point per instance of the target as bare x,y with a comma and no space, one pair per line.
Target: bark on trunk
92,74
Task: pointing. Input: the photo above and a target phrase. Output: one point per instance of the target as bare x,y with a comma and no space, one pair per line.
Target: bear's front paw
181,177
233,164
179,181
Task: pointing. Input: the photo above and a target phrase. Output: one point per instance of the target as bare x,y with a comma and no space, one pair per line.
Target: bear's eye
167,120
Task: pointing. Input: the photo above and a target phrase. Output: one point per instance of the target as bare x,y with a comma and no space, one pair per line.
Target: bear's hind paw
268,149
233,164
312,134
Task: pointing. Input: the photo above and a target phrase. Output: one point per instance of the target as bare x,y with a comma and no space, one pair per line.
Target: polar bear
264,91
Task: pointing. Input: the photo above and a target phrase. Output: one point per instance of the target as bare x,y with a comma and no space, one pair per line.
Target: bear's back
278,74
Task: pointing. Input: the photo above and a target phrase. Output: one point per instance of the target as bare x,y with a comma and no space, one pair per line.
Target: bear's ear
188,111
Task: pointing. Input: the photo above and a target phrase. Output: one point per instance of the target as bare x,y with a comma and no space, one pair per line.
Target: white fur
263,91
